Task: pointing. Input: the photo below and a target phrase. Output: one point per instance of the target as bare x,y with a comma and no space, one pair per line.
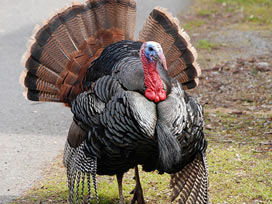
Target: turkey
127,96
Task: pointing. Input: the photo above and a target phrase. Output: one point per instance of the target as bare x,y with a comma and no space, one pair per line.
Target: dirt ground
236,63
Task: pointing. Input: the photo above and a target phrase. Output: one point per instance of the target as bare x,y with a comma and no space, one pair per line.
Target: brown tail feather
71,19
180,55
35,95
62,49
34,83
41,71
190,185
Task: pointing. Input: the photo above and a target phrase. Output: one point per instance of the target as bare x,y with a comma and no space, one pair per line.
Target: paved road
32,134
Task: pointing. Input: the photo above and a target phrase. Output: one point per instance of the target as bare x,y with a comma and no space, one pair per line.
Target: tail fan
180,55
190,185
62,49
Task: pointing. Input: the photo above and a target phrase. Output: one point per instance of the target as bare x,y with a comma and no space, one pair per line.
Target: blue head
152,51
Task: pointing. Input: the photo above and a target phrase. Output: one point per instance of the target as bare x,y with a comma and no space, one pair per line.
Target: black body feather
127,129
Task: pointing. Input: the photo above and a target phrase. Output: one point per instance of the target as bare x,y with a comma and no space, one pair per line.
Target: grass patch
243,14
239,157
206,44
258,11
193,24
206,12
239,175
53,189
241,128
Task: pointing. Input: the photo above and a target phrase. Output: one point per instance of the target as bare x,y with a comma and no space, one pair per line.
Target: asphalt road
32,134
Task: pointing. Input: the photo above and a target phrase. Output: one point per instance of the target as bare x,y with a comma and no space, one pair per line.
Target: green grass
53,189
248,128
250,14
258,11
238,175
240,157
206,44
206,12
193,24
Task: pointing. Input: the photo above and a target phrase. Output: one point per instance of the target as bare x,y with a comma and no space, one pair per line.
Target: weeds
206,44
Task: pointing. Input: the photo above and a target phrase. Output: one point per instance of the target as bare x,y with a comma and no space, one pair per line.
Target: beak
161,58
156,58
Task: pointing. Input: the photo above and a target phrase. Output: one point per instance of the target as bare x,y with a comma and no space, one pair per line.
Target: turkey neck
157,81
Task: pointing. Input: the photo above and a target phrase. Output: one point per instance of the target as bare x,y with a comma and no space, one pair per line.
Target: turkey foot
119,180
138,192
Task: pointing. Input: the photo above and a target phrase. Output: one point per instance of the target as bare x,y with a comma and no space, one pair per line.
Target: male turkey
127,96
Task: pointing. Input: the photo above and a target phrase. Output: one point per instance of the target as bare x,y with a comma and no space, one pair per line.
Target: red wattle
157,99
153,82
162,95
150,94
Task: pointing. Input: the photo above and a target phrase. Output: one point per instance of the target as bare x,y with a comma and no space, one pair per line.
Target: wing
190,184
182,116
121,125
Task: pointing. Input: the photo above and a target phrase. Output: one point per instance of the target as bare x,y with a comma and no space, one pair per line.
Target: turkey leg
138,192
120,188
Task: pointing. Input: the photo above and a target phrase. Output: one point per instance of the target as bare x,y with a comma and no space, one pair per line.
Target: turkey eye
150,49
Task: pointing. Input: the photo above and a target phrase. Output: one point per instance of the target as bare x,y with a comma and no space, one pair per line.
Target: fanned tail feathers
190,185
180,54
61,50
